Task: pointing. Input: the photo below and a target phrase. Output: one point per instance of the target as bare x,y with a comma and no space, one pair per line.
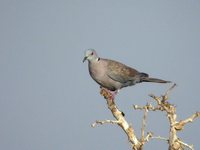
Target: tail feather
147,79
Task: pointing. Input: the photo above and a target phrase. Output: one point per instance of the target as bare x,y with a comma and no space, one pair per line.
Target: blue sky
48,100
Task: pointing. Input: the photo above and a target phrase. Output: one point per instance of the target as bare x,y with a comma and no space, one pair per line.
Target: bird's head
90,55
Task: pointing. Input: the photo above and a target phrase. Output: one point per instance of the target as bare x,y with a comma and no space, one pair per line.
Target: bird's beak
84,59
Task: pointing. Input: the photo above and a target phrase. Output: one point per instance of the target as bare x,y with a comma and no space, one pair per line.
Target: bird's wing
120,72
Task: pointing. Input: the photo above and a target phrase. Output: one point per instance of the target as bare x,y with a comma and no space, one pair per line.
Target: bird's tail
145,78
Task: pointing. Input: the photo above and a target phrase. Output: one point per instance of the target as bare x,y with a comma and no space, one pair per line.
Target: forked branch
162,104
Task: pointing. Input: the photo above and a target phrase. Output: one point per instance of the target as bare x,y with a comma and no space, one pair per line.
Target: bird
113,75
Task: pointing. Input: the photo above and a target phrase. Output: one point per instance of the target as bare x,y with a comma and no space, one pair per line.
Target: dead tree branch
175,143
162,104
120,120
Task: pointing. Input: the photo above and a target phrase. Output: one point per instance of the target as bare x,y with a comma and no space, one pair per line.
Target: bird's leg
113,93
108,94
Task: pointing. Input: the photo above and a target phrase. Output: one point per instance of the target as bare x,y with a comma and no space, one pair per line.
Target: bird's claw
107,94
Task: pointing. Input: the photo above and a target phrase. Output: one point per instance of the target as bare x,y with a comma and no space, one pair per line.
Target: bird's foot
108,94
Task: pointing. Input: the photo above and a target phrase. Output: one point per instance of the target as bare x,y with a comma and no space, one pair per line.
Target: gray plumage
114,75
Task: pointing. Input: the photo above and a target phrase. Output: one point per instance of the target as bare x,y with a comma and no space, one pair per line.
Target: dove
113,75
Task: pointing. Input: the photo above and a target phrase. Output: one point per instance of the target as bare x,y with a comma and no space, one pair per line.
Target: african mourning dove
113,75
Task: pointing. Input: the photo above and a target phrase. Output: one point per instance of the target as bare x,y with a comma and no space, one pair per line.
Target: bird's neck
94,60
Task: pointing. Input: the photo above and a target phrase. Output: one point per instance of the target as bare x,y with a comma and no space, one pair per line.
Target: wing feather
120,72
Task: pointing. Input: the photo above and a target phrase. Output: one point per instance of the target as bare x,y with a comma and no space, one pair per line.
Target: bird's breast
99,73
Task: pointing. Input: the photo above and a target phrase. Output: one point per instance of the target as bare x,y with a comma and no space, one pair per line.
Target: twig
148,137
101,122
186,145
160,138
144,124
149,107
170,89
180,125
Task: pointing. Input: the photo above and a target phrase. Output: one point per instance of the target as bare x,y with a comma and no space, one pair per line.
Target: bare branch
170,89
180,125
160,138
175,143
148,137
104,122
120,120
144,120
149,107
186,145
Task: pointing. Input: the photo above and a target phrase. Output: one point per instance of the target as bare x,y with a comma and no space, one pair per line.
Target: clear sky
48,99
